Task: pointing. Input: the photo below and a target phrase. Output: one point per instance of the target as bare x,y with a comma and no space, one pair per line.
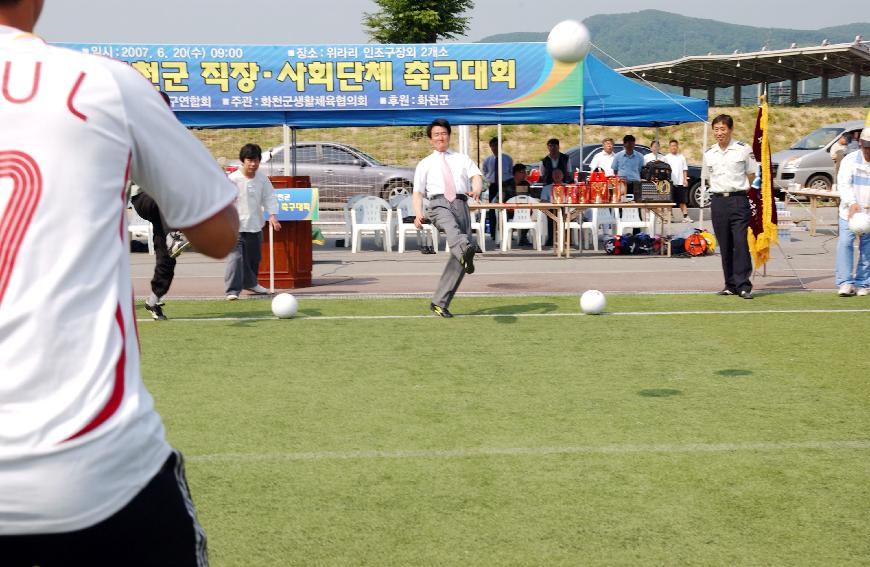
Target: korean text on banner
352,77
296,204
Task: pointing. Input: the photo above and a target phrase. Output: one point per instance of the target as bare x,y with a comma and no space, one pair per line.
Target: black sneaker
440,311
177,243
726,291
467,260
747,294
156,312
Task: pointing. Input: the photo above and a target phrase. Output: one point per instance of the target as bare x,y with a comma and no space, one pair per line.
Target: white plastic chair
634,218
478,229
478,225
347,221
598,220
140,228
373,215
525,219
405,208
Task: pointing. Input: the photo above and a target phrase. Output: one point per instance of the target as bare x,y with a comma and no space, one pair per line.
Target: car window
337,156
816,139
304,154
374,161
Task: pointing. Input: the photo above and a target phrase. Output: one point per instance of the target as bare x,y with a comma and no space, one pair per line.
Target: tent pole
499,177
703,179
498,173
465,139
582,134
478,145
293,151
286,163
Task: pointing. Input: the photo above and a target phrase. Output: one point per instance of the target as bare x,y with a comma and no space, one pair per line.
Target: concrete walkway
808,263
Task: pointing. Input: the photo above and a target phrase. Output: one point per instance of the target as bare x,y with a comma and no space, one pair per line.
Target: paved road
808,263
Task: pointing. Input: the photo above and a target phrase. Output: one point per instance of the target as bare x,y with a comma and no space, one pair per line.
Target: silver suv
808,161
339,171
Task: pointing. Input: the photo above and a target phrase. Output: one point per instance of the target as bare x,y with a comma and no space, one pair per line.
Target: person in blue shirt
628,163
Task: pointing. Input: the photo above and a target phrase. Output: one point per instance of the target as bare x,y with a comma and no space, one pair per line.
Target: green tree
417,21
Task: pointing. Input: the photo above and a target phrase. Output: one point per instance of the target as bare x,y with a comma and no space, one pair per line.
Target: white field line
496,315
858,444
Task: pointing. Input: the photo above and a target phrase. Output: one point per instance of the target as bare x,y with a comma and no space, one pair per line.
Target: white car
808,161
338,171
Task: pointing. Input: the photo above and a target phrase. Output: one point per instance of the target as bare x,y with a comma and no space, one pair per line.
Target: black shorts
679,194
158,527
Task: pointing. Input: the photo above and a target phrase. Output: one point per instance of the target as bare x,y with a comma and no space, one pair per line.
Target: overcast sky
339,21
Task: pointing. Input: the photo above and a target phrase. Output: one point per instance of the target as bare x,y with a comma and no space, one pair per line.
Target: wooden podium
292,245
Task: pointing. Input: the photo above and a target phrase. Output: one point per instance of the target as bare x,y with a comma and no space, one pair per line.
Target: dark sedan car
339,171
590,151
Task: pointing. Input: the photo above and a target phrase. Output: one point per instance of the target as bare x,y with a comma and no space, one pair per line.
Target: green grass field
368,432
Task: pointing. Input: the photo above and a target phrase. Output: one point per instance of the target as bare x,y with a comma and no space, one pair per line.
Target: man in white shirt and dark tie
444,178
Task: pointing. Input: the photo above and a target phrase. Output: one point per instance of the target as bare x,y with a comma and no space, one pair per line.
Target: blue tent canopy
613,100
609,99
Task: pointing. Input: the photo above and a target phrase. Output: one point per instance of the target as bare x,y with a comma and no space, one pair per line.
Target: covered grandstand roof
765,66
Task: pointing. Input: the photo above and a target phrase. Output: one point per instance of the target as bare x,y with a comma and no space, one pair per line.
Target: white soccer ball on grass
860,223
284,306
592,302
568,41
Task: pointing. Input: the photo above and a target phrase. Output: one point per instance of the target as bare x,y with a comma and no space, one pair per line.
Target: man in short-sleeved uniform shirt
79,436
731,168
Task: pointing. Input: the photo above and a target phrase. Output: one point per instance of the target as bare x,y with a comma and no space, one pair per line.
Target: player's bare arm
216,235
476,187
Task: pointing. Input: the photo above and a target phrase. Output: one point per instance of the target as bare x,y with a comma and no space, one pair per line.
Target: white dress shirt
604,161
728,168
428,178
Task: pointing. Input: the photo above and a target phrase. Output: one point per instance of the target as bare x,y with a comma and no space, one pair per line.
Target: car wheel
395,189
695,197
819,183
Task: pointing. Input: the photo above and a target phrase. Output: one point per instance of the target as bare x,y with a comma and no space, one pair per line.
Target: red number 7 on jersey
20,189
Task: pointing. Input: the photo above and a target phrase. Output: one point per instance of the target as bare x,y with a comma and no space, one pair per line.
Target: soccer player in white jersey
86,475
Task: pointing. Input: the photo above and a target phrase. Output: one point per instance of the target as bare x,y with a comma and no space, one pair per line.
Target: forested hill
650,36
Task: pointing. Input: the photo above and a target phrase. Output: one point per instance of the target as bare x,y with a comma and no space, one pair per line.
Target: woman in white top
654,154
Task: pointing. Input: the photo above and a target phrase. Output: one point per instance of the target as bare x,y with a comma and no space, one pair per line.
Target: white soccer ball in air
568,41
592,302
284,306
860,223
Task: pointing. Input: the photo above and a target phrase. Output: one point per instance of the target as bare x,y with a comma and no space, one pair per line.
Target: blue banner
352,77
296,204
